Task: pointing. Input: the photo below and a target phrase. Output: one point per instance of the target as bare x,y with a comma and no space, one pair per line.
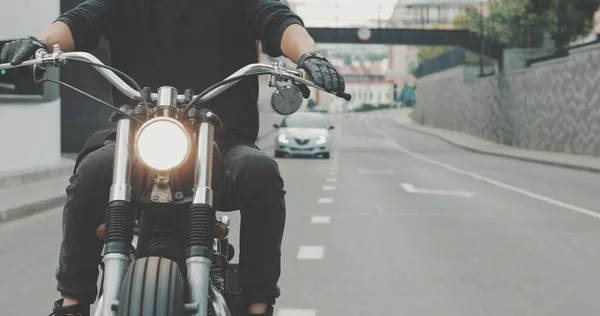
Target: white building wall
30,131
31,135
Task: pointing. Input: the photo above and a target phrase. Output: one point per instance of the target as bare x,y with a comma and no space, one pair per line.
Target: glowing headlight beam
283,139
322,140
163,144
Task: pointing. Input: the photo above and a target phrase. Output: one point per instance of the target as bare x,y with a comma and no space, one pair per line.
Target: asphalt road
396,223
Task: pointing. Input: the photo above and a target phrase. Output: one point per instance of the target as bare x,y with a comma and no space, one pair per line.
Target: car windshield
305,121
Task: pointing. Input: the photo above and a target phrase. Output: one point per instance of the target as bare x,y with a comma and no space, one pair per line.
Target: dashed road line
325,200
320,219
311,252
329,187
296,312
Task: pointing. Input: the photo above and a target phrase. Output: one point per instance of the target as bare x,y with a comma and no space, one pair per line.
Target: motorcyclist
185,44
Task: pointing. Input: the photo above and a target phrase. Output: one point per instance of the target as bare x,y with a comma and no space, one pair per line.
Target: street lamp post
481,30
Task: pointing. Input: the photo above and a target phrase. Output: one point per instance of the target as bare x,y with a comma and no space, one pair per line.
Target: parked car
319,110
408,97
303,134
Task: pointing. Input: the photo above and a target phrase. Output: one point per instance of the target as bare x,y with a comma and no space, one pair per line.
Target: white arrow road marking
411,189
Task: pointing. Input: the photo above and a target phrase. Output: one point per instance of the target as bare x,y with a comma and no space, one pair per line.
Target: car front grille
301,141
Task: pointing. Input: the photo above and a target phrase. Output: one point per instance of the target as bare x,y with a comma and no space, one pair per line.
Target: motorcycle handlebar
58,58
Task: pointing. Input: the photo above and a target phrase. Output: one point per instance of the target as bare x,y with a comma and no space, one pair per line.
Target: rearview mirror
276,125
331,127
286,100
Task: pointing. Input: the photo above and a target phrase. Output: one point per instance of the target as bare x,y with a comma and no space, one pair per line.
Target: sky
332,13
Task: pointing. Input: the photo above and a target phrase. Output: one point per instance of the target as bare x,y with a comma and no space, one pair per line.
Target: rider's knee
94,170
259,166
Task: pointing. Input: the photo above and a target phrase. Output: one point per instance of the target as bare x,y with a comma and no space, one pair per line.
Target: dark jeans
251,183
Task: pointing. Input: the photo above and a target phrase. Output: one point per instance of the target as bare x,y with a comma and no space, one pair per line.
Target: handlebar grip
344,95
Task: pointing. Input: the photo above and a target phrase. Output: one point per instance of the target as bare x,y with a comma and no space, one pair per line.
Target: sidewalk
32,191
482,146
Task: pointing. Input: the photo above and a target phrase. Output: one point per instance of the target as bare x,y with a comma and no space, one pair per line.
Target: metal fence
450,59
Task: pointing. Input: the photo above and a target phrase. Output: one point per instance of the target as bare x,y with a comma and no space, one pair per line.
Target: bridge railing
510,31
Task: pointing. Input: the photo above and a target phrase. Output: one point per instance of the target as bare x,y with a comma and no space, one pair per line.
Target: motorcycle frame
197,264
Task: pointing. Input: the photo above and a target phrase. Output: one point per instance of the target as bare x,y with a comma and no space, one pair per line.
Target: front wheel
326,156
153,286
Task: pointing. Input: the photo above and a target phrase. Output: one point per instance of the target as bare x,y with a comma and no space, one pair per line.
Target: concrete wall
31,130
553,106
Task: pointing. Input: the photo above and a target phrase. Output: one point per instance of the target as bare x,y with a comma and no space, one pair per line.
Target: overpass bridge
466,39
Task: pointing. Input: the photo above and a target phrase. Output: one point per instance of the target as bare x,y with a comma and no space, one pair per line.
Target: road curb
492,153
38,174
29,209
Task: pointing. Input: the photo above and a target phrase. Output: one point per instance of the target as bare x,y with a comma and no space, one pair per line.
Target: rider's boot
72,310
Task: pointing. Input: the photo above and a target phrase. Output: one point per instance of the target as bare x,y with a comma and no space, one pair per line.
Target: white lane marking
311,252
332,173
380,210
329,187
416,214
296,312
320,219
378,172
491,181
324,200
411,189
331,179
407,187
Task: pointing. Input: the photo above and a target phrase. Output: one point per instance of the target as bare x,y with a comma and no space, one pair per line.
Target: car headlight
162,143
283,139
322,140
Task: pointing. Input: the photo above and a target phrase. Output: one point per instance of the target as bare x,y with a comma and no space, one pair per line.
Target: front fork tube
201,223
119,219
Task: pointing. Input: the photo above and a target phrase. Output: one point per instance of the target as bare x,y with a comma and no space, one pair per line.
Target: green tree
413,68
521,23
568,19
430,52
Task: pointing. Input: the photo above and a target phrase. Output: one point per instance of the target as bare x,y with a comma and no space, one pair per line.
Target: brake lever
308,77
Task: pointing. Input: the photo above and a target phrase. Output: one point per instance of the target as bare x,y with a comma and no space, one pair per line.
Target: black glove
18,51
323,73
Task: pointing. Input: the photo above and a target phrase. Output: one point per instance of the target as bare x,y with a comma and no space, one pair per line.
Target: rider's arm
296,42
270,19
57,33
80,28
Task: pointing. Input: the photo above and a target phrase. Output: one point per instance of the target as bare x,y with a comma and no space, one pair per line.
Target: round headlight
162,143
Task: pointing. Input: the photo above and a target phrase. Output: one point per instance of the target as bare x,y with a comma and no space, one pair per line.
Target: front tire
153,286
279,154
326,156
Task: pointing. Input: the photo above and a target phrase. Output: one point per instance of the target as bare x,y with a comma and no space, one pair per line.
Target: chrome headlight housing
162,144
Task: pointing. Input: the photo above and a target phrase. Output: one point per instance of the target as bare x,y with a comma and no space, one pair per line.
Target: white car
303,134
